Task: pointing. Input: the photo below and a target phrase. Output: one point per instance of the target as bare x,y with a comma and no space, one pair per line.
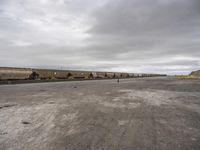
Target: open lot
135,114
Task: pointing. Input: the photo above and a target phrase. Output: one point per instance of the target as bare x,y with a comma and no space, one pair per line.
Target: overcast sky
159,36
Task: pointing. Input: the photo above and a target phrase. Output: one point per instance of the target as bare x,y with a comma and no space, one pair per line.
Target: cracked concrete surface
141,114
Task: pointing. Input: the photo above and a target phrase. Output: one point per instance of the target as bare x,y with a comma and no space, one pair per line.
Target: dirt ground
135,114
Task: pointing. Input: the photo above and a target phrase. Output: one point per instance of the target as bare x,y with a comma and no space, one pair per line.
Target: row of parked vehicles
7,73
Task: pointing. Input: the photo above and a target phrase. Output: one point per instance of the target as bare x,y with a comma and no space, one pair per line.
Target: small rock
3,133
26,122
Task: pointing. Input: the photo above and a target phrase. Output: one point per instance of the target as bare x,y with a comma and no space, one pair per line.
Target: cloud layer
159,36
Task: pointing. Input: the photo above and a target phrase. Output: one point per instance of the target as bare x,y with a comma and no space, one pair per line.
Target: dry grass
187,77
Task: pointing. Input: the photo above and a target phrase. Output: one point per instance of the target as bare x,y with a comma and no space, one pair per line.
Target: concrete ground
136,114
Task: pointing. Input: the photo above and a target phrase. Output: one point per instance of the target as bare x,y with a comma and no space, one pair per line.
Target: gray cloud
161,36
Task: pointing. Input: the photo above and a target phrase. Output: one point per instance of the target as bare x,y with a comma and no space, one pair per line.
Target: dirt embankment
195,73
